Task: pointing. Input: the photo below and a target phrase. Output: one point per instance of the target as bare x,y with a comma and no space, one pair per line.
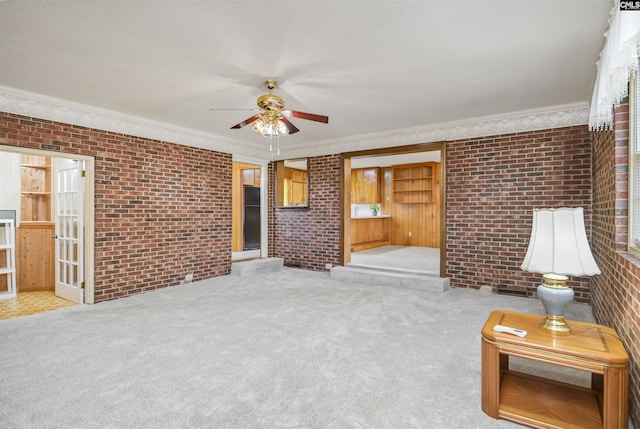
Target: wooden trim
345,195
443,208
420,147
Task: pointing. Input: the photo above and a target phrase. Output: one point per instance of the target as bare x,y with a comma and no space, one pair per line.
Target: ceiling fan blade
309,116
292,128
245,122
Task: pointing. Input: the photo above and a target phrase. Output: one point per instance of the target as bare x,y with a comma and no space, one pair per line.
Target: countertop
370,216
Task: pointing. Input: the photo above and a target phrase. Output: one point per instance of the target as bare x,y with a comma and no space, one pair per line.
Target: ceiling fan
273,118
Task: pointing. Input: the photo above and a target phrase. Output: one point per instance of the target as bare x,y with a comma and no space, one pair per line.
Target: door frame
345,167
264,209
89,211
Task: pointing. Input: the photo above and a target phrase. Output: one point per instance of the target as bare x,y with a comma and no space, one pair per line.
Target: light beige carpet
408,258
288,349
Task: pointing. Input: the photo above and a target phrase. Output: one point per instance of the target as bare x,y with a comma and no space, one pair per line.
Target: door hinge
82,285
82,173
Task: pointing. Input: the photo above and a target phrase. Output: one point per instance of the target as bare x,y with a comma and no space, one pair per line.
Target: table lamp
558,248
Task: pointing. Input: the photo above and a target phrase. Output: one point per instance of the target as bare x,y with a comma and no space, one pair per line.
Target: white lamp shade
559,244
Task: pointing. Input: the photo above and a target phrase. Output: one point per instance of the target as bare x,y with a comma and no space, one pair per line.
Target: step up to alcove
391,277
256,266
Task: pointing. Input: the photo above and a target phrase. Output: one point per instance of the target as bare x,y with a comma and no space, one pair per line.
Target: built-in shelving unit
36,189
412,183
35,243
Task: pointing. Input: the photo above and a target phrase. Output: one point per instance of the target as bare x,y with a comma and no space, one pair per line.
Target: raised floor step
390,277
256,266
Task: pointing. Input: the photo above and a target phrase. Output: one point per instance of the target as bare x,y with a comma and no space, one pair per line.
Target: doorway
406,187
249,209
52,197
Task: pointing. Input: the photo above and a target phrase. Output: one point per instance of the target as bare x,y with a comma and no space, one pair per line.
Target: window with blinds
634,167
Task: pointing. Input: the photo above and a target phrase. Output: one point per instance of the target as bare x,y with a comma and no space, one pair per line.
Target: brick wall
616,292
493,184
161,210
309,238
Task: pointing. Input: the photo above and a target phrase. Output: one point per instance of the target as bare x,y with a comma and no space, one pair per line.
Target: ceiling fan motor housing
270,102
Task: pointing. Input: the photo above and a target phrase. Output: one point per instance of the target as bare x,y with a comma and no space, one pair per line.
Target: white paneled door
69,220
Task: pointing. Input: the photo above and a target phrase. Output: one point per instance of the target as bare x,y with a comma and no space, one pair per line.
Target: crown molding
39,106
530,120
43,107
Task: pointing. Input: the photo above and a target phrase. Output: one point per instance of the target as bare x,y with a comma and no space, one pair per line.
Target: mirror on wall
292,183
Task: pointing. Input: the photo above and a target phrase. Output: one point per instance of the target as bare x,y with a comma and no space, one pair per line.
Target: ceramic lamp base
555,296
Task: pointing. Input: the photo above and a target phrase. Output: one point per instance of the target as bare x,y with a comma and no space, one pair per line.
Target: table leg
491,363
615,398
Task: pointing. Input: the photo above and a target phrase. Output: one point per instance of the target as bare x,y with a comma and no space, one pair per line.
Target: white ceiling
384,71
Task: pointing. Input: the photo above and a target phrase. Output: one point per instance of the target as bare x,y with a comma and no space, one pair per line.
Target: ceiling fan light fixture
273,120
270,126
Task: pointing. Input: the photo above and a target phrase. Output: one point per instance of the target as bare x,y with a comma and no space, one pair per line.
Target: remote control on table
509,330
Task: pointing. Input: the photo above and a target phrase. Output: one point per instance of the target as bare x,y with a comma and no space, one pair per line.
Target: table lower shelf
544,403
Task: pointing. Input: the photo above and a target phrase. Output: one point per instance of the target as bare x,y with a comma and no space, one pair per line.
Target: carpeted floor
408,258
289,349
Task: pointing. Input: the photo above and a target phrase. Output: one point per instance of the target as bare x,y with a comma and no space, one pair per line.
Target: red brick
158,214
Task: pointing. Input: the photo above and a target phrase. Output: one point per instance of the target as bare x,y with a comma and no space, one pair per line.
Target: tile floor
27,303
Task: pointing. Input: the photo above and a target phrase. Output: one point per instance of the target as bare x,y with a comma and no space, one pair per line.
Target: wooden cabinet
251,176
295,185
365,186
413,183
35,261
367,233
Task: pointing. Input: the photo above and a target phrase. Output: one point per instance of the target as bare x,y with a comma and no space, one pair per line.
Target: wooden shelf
43,167
529,398
412,183
35,188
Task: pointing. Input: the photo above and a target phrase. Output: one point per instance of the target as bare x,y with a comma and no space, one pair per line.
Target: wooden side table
544,403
